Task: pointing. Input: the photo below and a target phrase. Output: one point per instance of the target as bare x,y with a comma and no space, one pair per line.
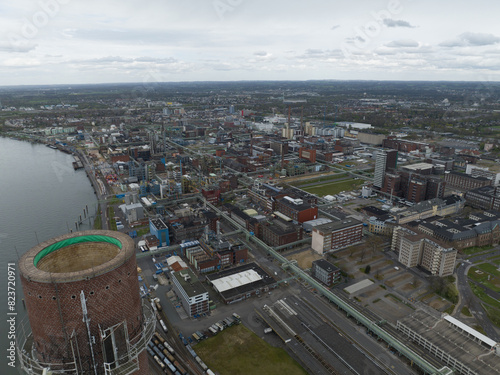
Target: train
163,354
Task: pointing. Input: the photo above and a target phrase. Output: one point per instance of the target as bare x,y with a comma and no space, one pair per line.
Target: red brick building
296,209
279,232
308,154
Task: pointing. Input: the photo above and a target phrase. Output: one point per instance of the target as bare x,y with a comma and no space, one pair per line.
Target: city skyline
69,42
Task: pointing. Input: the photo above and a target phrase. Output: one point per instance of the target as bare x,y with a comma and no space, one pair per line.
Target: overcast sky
91,41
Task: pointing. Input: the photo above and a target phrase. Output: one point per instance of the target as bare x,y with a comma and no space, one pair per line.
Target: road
468,298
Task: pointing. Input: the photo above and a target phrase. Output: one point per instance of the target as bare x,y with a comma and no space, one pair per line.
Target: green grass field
238,351
333,188
486,271
476,250
483,296
330,178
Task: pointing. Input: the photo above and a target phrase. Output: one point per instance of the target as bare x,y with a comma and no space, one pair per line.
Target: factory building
237,284
160,230
84,307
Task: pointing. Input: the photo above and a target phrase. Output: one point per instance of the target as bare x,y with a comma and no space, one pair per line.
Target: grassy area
479,329
112,221
480,293
331,178
476,250
495,260
493,314
487,267
486,276
334,187
115,201
98,222
238,351
450,309
142,231
466,311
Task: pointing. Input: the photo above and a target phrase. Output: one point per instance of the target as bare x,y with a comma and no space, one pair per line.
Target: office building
325,272
336,235
384,161
191,292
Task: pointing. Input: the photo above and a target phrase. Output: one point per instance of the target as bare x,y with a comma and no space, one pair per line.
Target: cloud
396,23
469,39
260,53
403,43
22,46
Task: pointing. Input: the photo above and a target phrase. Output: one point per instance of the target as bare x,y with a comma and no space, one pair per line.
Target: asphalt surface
470,299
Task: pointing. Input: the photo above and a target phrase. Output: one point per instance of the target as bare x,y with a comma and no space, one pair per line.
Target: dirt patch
373,290
409,286
305,258
395,280
439,304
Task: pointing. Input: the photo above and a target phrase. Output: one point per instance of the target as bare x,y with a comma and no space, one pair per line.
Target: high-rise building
384,161
85,312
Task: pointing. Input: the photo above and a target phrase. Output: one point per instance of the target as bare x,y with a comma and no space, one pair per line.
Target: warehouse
240,283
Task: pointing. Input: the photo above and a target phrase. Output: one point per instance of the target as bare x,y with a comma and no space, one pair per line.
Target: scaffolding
125,364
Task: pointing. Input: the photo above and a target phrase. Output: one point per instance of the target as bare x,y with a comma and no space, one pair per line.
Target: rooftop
159,224
446,334
325,265
259,279
337,225
189,282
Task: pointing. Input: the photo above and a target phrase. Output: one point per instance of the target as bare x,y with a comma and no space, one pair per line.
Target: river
41,196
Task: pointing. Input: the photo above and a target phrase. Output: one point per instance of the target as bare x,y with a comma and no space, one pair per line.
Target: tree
367,269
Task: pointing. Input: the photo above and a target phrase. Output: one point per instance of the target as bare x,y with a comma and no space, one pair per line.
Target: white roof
470,330
236,280
176,259
358,286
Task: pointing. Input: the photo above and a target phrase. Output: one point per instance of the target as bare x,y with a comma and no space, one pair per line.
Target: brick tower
84,307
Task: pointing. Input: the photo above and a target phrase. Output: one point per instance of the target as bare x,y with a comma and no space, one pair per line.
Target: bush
367,269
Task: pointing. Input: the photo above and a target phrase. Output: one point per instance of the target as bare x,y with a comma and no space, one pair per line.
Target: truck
164,326
157,304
